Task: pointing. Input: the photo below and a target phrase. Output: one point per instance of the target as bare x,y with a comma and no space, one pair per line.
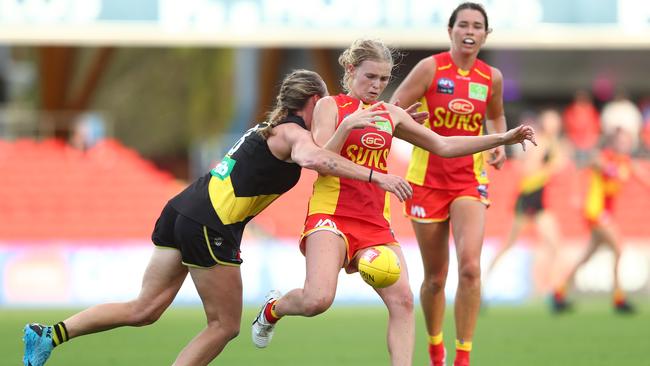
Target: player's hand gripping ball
379,266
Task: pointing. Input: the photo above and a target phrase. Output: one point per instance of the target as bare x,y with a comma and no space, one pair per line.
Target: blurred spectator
622,113
5,60
582,125
644,106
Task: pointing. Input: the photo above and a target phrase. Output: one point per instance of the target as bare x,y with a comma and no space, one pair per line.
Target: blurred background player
582,126
610,169
460,92
203,226
345,217
536,168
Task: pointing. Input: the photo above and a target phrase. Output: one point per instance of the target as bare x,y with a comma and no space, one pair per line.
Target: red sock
462,358
269,312
437,354
619,298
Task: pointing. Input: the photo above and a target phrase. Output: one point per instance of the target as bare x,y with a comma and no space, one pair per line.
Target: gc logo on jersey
461,106
445,86
373,140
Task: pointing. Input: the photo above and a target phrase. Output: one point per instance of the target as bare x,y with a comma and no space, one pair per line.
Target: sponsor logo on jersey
326,223
373,140
418,211
445,86
442,117
224,168
218,241
482,190
478,91
384,125
375,158
461,106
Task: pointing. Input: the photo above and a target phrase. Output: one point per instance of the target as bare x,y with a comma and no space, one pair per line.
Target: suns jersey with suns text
456,101
245,182
605,183
368,147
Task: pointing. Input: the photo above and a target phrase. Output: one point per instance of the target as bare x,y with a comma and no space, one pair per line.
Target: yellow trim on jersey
326,195
345,105
482,74
232,209
479,165
533,182
595,203
387,207
479,168
462,72
444,67
207,242
417,169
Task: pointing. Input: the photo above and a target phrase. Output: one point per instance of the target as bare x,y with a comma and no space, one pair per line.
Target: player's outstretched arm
307,154
454,146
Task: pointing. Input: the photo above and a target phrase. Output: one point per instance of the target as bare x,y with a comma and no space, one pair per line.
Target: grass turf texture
526,335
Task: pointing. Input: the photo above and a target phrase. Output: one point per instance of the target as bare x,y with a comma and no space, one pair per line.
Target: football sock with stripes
59,334
463,350
269,312
436,349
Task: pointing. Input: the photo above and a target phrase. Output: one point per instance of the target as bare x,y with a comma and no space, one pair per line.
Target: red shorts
432,205
357,234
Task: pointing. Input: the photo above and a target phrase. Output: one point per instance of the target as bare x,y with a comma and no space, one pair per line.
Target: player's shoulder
327,102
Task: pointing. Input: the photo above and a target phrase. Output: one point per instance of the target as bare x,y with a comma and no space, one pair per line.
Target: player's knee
315,305
401,300
230,330
470,273
143,315
434,282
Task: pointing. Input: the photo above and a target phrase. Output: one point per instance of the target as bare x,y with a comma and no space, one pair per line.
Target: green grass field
526,335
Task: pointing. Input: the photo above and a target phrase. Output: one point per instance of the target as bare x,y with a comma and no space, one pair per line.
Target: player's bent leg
220,289
325,254
401,321
162,280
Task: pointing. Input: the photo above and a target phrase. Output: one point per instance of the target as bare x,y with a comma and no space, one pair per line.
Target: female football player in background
345,217
199,231
609,171
537,167
460,92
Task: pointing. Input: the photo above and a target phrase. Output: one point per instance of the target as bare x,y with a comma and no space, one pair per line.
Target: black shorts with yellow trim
200,246
530,203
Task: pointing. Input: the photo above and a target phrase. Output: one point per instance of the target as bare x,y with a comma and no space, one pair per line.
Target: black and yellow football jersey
247,180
